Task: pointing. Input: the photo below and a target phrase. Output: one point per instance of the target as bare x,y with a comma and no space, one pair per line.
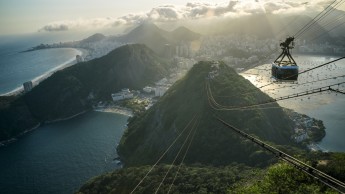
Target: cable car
284,68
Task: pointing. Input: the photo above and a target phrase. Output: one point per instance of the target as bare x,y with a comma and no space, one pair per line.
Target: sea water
61,157
17,67
326,106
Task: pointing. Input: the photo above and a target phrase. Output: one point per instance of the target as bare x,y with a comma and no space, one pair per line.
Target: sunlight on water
325,106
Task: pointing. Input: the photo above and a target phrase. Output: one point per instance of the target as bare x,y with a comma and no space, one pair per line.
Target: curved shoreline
114,109
40,78
14,139
66,118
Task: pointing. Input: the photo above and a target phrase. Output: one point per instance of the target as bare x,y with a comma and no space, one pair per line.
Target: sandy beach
115,109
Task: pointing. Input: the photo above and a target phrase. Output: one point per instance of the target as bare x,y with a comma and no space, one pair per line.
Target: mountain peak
94,38
146,27
182,29
184,34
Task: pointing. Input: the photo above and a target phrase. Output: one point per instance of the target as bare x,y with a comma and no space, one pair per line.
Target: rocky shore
308,131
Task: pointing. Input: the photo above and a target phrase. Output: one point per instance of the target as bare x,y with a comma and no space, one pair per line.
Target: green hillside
150,134
72,90
231,179
191,179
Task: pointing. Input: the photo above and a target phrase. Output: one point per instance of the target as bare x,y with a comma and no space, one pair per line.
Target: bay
62,156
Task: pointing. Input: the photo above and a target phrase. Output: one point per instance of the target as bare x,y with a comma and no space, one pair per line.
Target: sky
28,16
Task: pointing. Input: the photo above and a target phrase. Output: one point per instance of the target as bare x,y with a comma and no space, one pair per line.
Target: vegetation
190,179
72,90
151,133
15,117
328,162
232,179
317,134
135,104
283,178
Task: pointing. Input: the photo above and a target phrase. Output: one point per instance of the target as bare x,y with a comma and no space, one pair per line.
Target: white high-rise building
27,86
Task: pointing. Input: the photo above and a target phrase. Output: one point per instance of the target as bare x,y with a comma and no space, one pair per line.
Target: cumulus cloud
193,11
77,24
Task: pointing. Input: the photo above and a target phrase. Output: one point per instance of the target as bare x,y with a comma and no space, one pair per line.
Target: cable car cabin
285,70
282,73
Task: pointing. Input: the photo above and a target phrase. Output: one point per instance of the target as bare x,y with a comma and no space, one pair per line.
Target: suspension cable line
323,34
161,157
184,156
296,95
324,15
283,87
311,171
177,155
327,24
314,20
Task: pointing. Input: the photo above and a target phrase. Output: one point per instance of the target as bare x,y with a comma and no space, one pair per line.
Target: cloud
55,27
193,11
78,24
165,13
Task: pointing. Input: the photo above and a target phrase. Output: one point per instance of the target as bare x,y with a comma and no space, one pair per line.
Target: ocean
17,67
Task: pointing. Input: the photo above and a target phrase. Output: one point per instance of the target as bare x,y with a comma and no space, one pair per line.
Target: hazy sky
25,16
22,16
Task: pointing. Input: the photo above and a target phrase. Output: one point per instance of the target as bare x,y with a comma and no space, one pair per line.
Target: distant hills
155,38
148,135
266,26
94,38
277,26
71,91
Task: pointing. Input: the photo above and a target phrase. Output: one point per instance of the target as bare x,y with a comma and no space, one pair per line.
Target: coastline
66,118
308,130
39,79
14,139
109,109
